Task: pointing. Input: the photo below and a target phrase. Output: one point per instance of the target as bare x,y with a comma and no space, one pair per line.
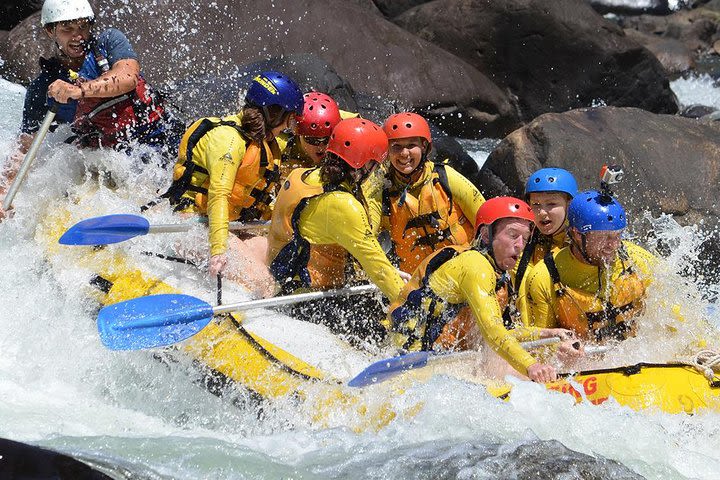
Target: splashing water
136,416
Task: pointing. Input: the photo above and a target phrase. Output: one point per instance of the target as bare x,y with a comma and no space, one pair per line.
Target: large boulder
222,94
13,11
194,39
674,55
554,56
697,29
671,163
393,8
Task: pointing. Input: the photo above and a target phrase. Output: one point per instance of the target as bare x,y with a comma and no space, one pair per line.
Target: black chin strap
582,248
272,123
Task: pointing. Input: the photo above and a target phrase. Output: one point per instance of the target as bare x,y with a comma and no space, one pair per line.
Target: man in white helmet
109,104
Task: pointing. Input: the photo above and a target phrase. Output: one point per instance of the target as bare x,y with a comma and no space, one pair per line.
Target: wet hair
253,120
334,170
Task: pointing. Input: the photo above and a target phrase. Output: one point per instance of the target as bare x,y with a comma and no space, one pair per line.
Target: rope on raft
707,362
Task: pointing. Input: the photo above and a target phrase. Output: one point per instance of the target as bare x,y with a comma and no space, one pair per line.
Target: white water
60,388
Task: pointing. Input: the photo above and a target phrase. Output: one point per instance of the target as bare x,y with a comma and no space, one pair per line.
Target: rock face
191,39
671,163
393,8
554,55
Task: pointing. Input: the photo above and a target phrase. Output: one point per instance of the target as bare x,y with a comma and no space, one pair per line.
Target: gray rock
440,460
671,163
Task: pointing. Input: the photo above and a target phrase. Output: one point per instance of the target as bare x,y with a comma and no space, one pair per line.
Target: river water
135,417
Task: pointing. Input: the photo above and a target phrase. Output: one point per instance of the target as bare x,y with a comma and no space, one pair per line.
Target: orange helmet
406,125
502,207
358,141
319,117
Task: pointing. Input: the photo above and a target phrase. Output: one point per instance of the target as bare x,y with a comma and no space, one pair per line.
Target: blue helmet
274,88
592,210
552,180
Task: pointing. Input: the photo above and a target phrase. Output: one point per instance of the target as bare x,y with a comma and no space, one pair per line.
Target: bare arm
121,78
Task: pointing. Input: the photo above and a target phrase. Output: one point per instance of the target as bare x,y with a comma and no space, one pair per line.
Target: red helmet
502,207
358,141
319,117
406,125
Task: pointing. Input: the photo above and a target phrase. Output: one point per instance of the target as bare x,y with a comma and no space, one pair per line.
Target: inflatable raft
291,359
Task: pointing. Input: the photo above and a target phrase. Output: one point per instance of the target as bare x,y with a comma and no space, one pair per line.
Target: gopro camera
611,174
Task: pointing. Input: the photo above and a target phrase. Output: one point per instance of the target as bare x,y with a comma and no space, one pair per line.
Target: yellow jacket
227,183
328,221
540,248
542,298
470,279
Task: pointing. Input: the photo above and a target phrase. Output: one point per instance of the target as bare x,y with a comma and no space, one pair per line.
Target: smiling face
550,210
406,154
509,239
314,147
601,247
71,37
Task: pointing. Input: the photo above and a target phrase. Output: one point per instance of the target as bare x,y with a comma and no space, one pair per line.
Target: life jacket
598,318
431,322
107,122
255,181
419,226
294,262
537,247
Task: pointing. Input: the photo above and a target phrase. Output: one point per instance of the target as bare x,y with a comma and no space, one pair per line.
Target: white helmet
62,10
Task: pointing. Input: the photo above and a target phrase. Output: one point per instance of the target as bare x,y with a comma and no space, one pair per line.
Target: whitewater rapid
140,418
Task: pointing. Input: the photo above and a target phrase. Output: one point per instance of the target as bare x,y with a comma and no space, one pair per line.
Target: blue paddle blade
105,230
152,321
390,367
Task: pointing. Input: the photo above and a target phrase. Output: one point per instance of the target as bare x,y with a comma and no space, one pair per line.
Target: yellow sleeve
338,218
539,297
477,286
372,189
464,193
223,150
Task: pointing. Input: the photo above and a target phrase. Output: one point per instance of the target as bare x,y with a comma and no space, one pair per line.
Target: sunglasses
316,141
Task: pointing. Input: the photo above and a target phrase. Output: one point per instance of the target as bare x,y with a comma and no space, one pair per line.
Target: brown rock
673,54
191,38
695,28
13,12
553,55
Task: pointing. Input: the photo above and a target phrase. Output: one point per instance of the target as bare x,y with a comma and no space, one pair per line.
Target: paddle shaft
30,156
184,227
290,299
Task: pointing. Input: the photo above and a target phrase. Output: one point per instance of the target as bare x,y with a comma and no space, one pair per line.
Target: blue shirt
112,43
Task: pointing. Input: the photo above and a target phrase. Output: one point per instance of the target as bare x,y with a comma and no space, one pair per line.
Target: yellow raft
229,352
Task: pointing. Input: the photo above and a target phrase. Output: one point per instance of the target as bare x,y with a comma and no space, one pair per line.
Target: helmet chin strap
487,247
272,123
582,248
